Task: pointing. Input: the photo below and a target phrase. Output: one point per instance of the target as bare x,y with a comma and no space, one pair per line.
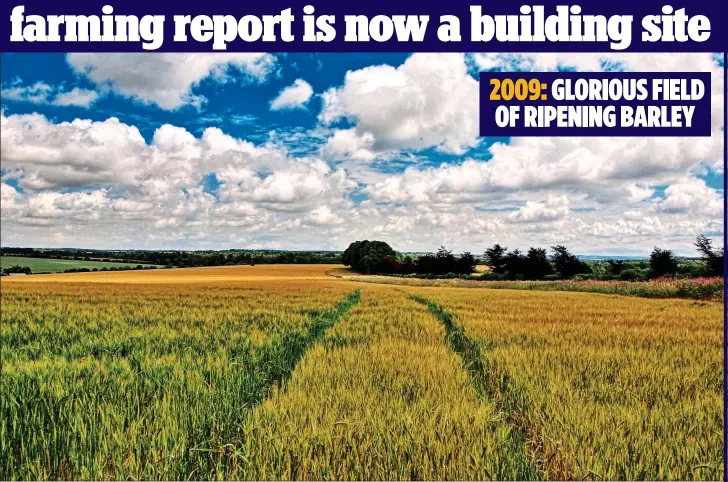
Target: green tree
712,258
495,258
616,266
465,264
662,263
369,256
515,264
537,264
567,264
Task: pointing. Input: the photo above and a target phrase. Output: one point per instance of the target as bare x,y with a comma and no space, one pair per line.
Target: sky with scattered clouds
314,151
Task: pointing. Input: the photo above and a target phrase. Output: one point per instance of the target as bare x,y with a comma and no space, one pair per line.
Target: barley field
283,372
605,387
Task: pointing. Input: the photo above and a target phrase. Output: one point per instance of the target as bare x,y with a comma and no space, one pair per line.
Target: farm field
216,274
284,372
705,288
47,265
606,387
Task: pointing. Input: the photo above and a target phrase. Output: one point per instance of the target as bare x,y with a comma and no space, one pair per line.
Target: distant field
213,274
45,265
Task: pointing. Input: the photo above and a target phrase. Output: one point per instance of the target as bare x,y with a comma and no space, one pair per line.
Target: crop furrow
165,398
277,359
497,387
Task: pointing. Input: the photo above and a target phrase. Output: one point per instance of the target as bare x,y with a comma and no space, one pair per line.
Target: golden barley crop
212,275
279,372
382,398
607,387
143,381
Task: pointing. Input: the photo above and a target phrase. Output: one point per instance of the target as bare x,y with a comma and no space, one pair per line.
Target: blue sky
375,145
240,112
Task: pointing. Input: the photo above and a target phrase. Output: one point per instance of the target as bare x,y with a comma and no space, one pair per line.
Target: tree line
28,270
17,269
377,257
182,259
372,257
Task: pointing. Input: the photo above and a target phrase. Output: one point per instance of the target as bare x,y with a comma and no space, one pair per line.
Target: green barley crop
136,381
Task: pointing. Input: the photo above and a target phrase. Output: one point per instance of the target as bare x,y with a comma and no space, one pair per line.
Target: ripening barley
173,374
613,387
382,398
141,380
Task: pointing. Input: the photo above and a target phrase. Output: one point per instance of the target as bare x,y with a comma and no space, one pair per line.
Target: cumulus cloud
349,143
9,197
294,96
602,167
167,79
129,206
70,154
294,189
323,216
596,195
596,165
43,93
554,208
428,101
75,206
47,155
692,196
123,185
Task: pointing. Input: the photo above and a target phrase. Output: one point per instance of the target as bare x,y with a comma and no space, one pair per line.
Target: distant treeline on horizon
378,257
181,259
533,264
133,255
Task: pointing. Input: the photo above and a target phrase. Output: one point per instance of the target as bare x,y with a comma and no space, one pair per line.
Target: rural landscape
316,371
312,266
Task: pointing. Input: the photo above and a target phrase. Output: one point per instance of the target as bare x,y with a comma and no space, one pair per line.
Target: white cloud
428,101
554,208
77,97
639,192
298,187
596,195
600,167
37,93
128,206
70,154
42,93
323,216
348,143
294,96
123,187
66,206
692,196
9,197
167,79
